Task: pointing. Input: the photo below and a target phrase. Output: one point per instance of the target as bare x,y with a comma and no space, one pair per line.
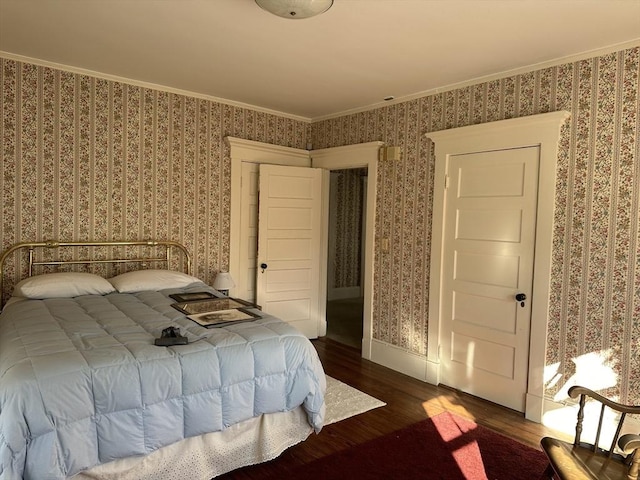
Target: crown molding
153,86
454,86
487,78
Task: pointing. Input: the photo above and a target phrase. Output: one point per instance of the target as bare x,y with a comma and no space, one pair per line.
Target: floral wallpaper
85,158
89,159
349,203
595,304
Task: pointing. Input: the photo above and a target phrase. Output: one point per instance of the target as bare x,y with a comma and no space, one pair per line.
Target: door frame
335,158
357,156
252,152
541,130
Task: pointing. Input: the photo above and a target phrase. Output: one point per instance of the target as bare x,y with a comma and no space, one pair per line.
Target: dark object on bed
171,336
580,460
192,296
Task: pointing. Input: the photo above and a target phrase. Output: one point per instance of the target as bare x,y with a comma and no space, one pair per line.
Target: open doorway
242,259
346,248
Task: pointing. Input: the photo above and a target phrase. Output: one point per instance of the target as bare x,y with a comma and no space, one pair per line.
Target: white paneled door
289,244
488,273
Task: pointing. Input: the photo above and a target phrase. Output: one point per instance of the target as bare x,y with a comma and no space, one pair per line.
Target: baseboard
399,359
343,292
433,372
534,409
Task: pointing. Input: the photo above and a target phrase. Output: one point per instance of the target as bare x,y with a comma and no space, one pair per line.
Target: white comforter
81,382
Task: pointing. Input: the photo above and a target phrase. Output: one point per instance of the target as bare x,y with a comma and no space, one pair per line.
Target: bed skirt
204,457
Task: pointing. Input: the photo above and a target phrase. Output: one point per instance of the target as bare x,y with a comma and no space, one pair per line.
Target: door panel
494,358
495,270
485,311
289,239
490,224
488,258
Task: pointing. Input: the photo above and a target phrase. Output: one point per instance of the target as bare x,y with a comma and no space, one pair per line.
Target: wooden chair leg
635,465
549,473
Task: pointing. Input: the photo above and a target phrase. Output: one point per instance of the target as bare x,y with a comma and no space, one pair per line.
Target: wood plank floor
408,401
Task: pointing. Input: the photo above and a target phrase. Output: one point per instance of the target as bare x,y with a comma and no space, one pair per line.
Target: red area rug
443,447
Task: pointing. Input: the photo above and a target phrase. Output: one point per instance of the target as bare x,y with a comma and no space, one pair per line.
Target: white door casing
336,158
357,156
246,155
489,233
543,131
289,245
246,279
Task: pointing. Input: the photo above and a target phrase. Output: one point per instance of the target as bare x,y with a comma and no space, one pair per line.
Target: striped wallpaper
84,158
90,159
349,208
595,304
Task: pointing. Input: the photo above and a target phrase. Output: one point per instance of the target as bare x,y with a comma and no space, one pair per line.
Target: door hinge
446,181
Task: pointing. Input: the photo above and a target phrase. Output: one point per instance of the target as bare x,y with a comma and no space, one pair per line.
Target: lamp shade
223,281
295,9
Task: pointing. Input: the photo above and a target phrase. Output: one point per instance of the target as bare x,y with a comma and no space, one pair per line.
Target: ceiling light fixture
295,9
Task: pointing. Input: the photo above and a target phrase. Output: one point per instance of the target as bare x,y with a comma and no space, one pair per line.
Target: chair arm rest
629,442
577,390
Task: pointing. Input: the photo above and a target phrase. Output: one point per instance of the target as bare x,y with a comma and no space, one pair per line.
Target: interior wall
349,204
90,159
594,318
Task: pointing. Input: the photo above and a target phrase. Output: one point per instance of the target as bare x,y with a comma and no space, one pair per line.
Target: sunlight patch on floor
445,403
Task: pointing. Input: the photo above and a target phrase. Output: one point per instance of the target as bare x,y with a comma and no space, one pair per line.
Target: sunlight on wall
592,370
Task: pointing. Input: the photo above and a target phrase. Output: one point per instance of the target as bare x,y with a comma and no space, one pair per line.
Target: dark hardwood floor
408,401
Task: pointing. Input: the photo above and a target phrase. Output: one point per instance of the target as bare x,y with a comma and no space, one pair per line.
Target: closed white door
289,241
487,264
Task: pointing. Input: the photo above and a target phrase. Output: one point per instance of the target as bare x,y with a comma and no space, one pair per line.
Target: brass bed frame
162,252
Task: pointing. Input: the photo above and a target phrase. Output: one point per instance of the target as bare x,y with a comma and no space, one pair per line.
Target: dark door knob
521,297
263,266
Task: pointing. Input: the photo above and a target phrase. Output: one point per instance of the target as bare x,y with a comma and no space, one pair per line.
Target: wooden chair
578,460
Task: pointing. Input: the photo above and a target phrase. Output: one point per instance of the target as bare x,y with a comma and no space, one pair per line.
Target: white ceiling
345,60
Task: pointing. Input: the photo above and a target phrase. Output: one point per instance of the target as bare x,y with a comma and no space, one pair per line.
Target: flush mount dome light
295,9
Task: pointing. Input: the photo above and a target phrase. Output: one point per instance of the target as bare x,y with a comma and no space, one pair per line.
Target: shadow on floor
344,321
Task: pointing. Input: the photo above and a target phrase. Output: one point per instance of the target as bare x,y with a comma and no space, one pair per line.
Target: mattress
81,383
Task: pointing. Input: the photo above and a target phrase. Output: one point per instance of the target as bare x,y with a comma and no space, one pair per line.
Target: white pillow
140,280
63,284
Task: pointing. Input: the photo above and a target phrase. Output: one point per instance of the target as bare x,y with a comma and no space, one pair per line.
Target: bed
85,393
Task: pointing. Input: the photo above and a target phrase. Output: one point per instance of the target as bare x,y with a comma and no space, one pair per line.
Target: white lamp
295,9
223,282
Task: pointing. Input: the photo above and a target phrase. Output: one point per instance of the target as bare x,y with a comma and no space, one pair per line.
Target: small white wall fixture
541,130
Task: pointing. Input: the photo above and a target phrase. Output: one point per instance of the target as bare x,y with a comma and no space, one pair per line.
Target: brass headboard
36,258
